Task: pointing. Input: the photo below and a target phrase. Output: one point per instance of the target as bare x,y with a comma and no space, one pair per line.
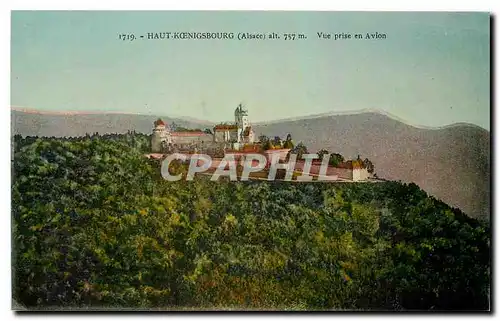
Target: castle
238,139
233,135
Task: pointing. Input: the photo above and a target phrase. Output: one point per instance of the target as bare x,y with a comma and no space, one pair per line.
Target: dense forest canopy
94,224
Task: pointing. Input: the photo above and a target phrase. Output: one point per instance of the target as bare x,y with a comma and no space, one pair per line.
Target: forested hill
452,163
96,226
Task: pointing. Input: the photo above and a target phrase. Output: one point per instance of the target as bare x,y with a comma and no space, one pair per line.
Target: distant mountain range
31,123
451,163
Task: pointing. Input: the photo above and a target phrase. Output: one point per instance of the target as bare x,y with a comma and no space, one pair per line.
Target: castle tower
241,120
161,136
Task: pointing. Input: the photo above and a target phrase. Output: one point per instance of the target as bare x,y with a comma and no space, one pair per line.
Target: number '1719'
125,37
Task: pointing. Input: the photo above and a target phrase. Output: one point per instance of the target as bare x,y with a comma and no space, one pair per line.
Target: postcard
250,161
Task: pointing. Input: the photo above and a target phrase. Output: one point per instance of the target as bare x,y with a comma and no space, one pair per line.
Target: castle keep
232,135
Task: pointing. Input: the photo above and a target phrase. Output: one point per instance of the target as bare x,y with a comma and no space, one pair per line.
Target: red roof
188,133
345,165
225,127
241,152
277,150
159,122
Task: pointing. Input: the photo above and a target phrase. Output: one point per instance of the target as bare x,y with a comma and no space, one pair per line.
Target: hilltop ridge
451,163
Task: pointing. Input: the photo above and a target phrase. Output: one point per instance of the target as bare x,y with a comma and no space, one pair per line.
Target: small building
226,133
344,171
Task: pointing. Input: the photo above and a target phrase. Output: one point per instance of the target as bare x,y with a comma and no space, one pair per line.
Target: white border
311,5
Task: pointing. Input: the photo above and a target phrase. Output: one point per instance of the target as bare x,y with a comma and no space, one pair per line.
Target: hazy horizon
433,69
312,116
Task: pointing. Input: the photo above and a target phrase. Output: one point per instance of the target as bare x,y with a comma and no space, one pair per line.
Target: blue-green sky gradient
432,70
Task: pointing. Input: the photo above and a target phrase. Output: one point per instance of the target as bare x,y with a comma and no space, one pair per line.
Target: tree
95,225
263,138
267,145
288,142
185,129
336,159
208,131
177,167
357,163
368,165
299,150
321,153
173,126
277,141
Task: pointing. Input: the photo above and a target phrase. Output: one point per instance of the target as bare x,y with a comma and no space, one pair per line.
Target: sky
432,69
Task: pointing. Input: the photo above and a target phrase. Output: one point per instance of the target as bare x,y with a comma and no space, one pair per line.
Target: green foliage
321,153
267,145
336,159
185,129
277,141
95,225
288,144
300,149
368,165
